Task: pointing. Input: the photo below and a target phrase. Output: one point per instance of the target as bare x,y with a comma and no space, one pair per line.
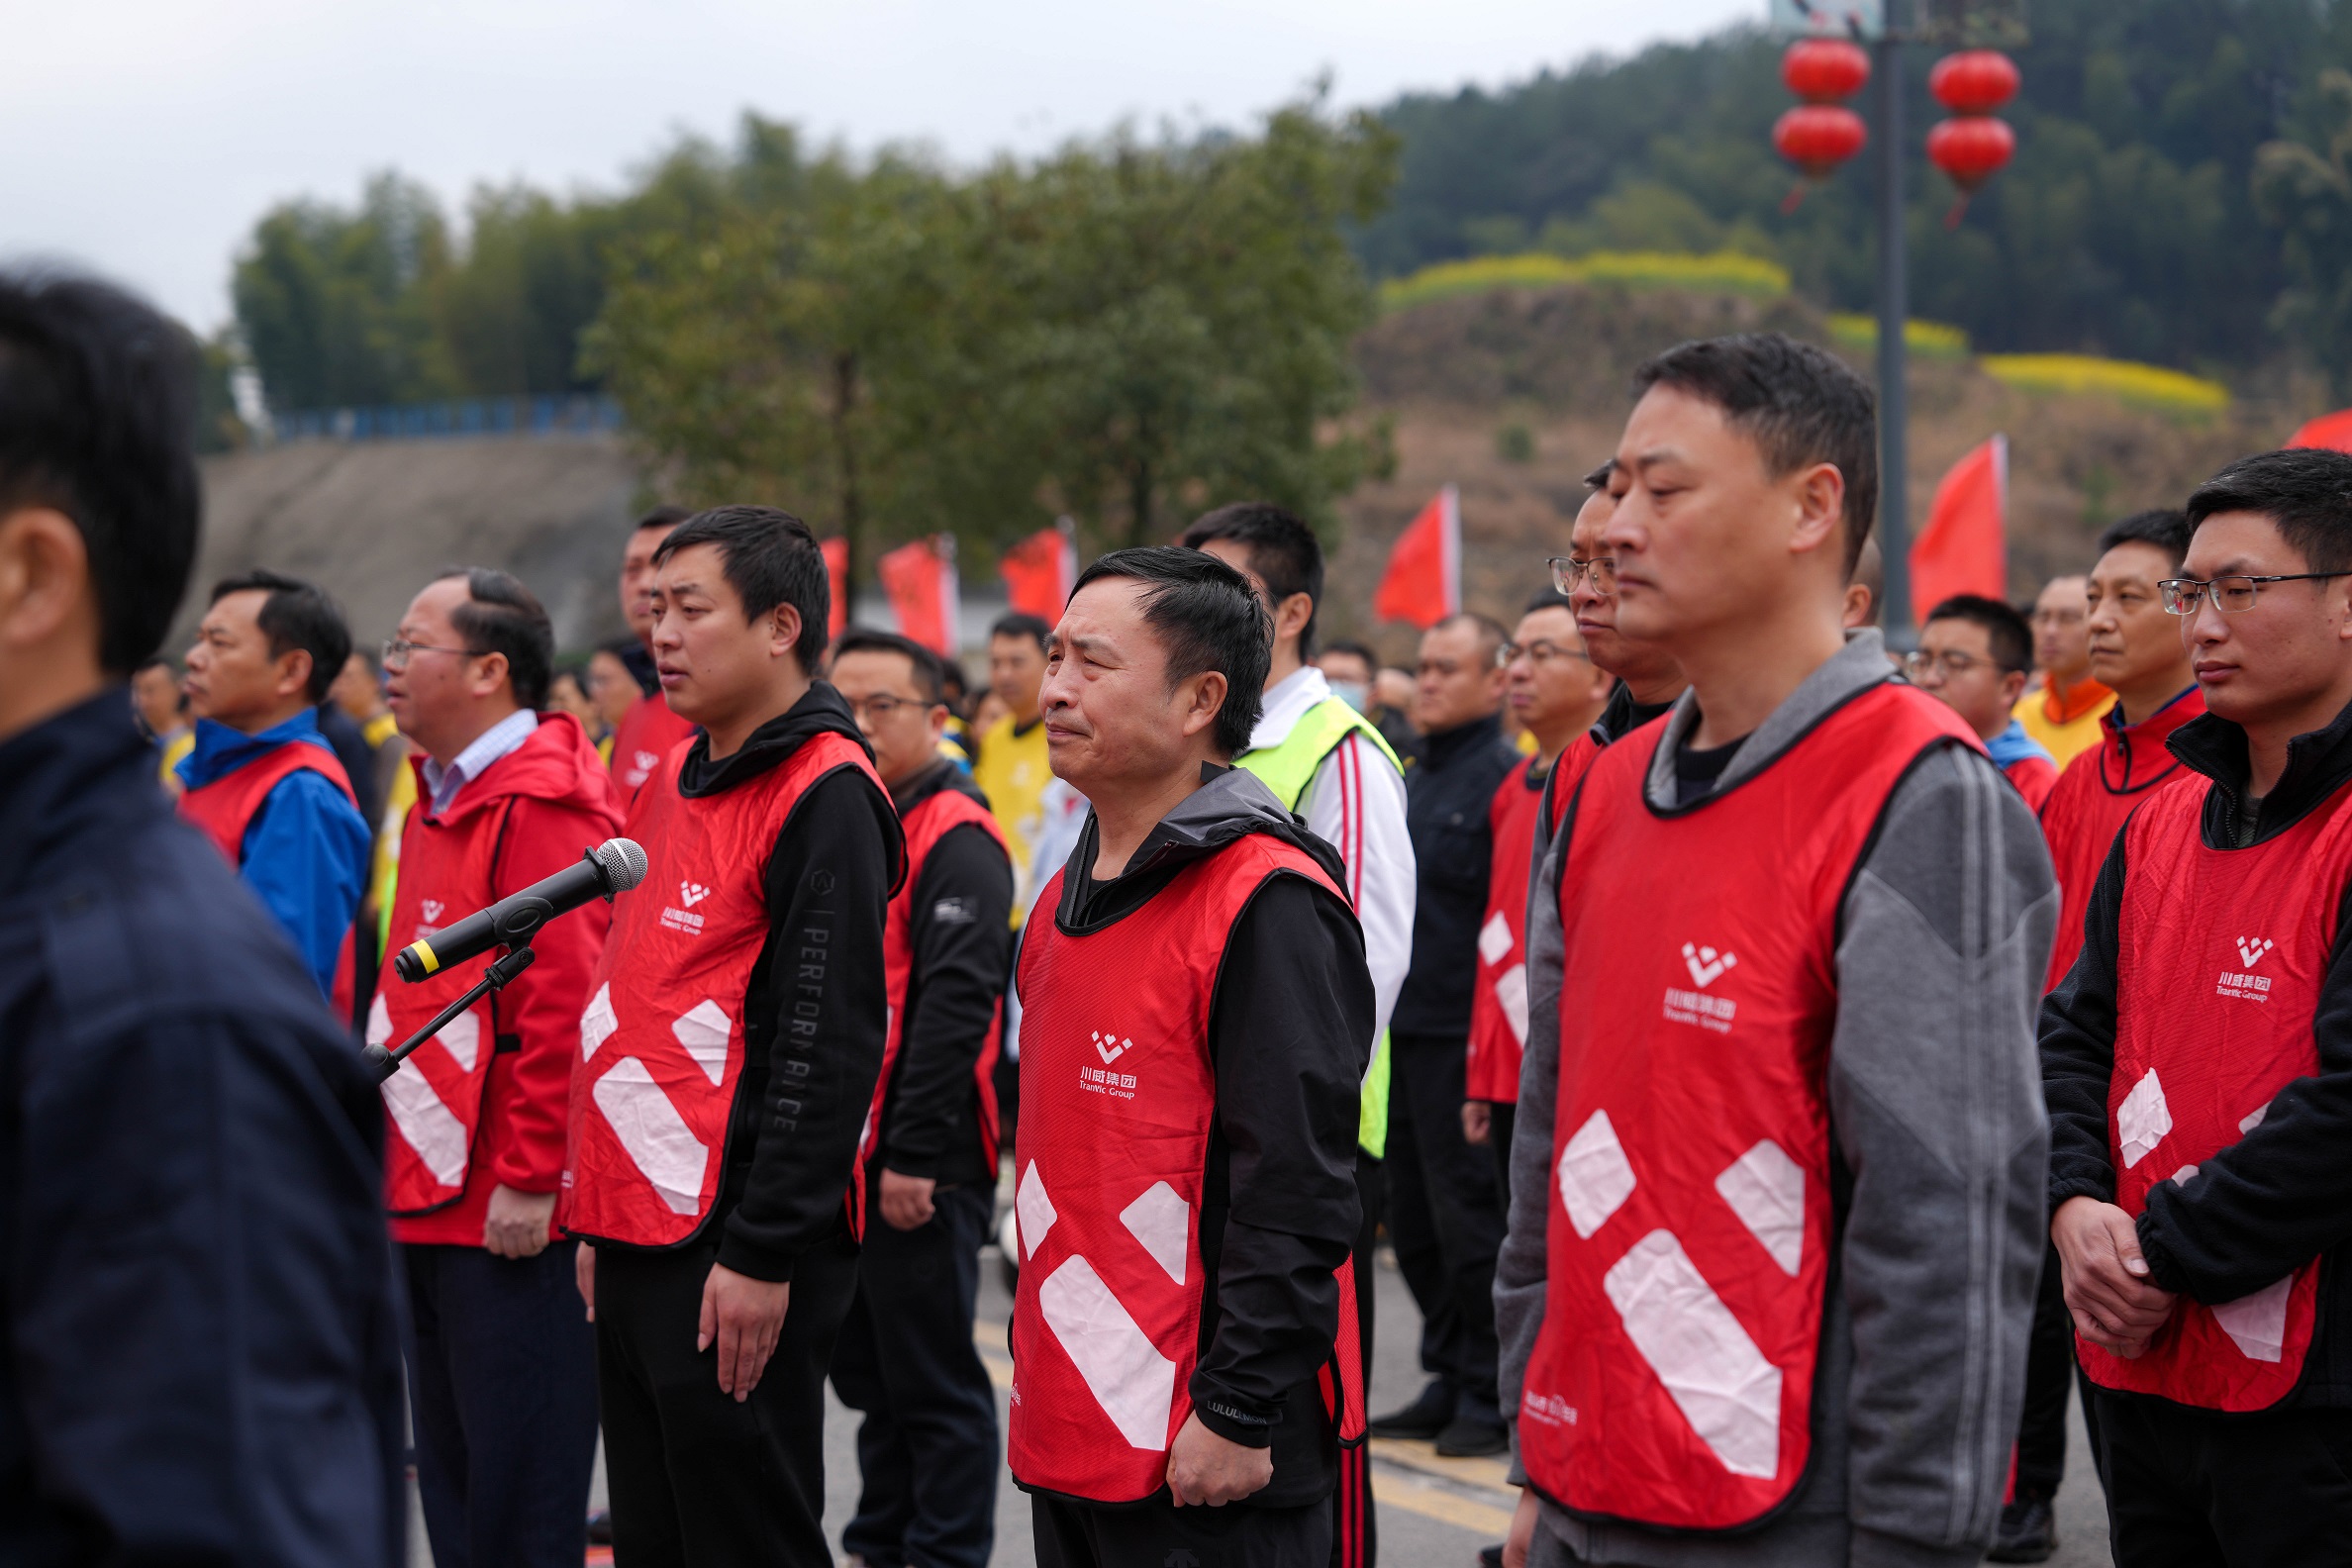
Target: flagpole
1894,310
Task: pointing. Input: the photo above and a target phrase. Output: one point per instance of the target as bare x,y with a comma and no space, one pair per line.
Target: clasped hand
2114,1302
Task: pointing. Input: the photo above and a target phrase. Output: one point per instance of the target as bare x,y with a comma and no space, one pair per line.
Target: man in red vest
1197,1018
2135,652
928,1447
1793,1054
1972,653
1556,692
261,782
502,1378
2197,1061
651,729
729,1053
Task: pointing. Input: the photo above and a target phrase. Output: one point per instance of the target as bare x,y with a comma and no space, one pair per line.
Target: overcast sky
143,136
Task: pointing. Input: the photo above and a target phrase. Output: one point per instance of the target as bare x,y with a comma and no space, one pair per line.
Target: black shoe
1425,1417
1491,1557
1471,1438
2026,1532
600,1527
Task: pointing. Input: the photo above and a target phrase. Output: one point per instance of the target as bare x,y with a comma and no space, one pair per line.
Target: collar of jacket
221,751
941,775
59,772
820,710
2134,756
1836,681
1231,803
2318,763
1441,746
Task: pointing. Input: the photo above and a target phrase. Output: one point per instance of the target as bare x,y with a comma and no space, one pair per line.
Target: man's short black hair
1020,624
1356,651
1799,404
662,517
2161,527
769,559
1548,599
2006,631
97,418
2305,492
296,614
500,616
1492,634
156,661
929,670
1209,617
1282,550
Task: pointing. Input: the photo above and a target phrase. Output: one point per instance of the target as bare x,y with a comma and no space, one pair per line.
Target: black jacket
959,925
199,1350
2281,1194
1447,794
815,1011
1290,1030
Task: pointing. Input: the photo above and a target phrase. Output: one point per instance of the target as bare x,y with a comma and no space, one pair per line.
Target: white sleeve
1356,804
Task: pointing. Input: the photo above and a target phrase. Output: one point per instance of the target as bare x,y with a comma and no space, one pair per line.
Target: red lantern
1974,81
1824,70
1816,137
1971,149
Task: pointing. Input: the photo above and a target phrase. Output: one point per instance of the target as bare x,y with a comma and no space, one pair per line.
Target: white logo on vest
1096,1080
2245,985
1707,966
681,920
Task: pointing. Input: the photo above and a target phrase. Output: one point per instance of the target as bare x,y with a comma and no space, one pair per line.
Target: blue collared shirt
305,852
497,741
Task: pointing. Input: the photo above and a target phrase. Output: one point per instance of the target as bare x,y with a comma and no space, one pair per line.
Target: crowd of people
1784,1071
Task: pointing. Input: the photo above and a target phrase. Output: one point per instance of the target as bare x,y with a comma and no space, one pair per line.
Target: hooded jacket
1290,1030
2283,1194
199,1346
835,864
543,803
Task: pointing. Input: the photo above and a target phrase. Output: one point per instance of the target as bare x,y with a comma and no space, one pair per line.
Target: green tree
531,280
2307,192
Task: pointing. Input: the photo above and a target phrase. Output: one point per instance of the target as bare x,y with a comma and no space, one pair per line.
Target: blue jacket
199,1351
306,850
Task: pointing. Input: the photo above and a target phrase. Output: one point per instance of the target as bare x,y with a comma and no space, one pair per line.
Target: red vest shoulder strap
225,807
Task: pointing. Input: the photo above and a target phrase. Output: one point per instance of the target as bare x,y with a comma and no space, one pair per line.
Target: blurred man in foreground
1198,1012
202,1361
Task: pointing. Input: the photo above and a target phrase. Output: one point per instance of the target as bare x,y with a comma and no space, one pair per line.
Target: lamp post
1894,359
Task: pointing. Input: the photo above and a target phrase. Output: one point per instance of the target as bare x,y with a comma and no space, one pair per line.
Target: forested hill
2180,194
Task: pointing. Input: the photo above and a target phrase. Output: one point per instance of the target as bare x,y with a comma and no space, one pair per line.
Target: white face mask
1355,694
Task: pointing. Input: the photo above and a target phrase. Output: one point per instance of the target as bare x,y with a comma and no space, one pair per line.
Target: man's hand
907,1200
516,1225
584,1276
2113,1303
1523,1530
1205,1470
744,1316
1478,1122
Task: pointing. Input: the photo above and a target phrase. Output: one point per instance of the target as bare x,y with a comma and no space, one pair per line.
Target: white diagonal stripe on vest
597,1021
703,1031
1718,1378
656,1137
2257,1324
1596,1178
1511,989
431,1128
1766,1189
2142,1120
461,1037
1133,1383
1162,1222
1033,1210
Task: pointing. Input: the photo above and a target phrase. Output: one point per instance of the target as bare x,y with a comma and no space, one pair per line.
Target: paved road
1432,1512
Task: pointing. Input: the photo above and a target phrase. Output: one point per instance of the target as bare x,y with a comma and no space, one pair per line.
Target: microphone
614,866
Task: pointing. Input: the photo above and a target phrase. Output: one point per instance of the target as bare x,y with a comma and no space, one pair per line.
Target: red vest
2199,1062
646,734
1118,1094
224,808
661,1039
925,827
1498,1001
1689,1236
2086,808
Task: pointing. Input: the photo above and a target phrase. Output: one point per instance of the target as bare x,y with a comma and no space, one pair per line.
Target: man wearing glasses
2135,652
2198,1060
2062,709
1972,653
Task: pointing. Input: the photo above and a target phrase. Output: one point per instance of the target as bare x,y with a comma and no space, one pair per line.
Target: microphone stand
384,1063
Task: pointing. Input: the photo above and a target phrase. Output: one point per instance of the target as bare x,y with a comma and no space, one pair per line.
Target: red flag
1423,581
836,570
1964,546
2332,431
921,581
1041,571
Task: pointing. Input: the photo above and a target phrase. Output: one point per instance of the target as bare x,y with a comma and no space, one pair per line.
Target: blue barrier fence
578,414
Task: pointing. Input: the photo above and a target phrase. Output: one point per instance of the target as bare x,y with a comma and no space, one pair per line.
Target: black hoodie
2281,1195
803,1093
1290,1027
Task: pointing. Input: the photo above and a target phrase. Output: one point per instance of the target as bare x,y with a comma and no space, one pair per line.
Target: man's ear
294,672
1207,699
784,632
1819,492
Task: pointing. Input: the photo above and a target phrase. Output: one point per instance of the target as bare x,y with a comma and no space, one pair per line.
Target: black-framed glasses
397,651
2233,594
1539,653
1567,571
1951,664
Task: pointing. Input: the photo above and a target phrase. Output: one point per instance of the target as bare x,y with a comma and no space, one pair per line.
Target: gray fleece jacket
1940,1144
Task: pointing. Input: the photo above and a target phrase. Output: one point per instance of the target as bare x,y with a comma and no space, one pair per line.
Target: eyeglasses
1951,664
2233,595
2064,618
881,706
1539,653
1567,571
397,651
